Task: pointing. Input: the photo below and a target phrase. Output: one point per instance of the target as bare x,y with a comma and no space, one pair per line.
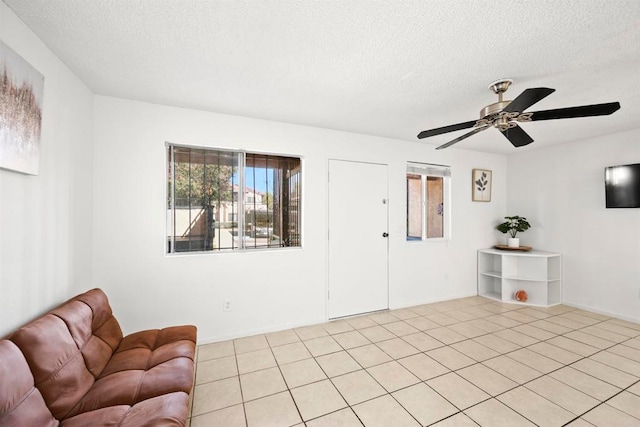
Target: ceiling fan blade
527,98
517,136
445,129
460,138
581,111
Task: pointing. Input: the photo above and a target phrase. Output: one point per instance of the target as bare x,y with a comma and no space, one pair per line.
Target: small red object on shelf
521,296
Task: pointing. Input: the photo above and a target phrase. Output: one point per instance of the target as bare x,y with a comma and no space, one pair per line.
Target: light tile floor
465,362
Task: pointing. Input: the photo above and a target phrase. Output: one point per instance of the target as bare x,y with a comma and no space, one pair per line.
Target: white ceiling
389,68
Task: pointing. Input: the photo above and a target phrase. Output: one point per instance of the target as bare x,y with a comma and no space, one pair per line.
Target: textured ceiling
389,68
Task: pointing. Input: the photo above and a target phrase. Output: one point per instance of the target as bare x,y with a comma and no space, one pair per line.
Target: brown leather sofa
72,367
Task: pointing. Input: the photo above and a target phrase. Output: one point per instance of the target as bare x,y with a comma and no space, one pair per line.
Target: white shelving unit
502,273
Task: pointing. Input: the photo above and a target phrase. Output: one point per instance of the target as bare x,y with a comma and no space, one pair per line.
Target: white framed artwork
21,89
481,182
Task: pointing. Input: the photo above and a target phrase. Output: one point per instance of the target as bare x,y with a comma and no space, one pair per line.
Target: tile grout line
285,383
244,409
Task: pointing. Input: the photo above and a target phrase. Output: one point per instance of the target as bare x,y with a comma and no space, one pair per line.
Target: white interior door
358,242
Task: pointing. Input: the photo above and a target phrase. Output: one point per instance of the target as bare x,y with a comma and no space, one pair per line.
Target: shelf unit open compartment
539,274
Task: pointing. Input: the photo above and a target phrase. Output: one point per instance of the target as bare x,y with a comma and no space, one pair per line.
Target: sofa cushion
69,347
94,329
21,403
104,417
104,324
145,365
55,362
146,349
162,411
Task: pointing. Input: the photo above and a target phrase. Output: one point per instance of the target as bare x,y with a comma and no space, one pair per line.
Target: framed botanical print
481,185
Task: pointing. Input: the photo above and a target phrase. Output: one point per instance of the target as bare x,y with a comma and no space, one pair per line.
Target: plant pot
513,242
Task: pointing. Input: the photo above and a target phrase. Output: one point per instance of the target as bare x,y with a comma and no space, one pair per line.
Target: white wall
45,220
561,191
269,290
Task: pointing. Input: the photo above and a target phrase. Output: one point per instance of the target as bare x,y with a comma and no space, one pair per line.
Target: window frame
425,170
240,219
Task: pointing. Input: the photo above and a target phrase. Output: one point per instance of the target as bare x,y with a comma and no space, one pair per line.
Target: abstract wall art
21,88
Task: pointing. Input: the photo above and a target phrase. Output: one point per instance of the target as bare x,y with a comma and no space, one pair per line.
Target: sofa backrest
93,328
21,403
68,348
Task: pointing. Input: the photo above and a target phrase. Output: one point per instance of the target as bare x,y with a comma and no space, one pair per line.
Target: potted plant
514,225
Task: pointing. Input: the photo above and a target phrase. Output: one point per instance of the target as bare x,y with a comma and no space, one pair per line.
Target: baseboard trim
283,327
242,334
432,301
603,312
249,333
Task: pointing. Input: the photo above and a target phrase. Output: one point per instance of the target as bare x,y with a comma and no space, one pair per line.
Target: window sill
232,251
432,240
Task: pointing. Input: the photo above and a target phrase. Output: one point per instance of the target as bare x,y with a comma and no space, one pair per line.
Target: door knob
385,234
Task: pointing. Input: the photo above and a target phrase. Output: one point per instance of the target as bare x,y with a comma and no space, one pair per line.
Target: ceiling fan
505,115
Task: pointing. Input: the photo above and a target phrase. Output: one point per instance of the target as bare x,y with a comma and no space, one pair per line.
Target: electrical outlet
226,305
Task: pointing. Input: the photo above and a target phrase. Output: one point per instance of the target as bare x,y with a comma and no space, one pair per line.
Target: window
206,209
428,212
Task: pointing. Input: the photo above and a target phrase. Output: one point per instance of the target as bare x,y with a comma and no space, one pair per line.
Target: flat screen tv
622,186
